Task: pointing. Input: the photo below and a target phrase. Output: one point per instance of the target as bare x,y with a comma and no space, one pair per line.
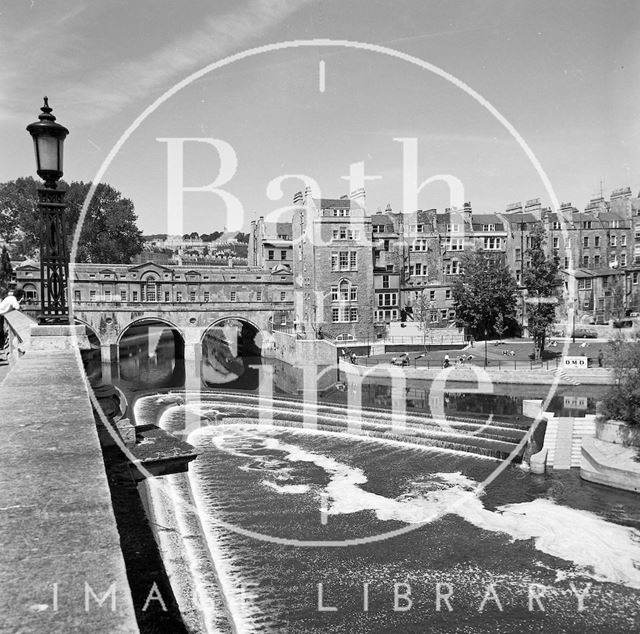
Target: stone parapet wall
58,520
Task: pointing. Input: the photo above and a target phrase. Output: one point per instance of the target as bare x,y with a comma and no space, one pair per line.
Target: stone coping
56,520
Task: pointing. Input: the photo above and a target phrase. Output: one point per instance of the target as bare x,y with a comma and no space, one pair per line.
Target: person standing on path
9,303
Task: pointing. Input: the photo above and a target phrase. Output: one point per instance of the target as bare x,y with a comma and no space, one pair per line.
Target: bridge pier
109,352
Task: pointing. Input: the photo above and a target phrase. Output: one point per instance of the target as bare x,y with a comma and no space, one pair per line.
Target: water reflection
152,357
231,355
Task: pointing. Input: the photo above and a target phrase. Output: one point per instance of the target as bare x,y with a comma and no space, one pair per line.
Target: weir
487,438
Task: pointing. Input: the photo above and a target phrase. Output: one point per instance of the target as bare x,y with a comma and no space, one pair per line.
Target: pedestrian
600,358
445,363
354,359
11,302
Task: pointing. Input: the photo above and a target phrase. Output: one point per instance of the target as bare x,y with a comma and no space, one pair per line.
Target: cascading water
412,508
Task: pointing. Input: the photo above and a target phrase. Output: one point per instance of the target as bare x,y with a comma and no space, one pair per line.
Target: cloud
219,36
92,91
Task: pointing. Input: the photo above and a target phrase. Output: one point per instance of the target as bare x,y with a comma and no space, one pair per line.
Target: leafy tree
617,297
210,237
541,282
6,270
423,309
483,291
243,237
109,232
500,326
19,216
622,401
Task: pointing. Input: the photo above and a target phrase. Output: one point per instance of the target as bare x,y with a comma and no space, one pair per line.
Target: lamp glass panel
48,153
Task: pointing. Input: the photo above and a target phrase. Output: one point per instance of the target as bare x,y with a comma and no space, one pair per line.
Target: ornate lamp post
48,140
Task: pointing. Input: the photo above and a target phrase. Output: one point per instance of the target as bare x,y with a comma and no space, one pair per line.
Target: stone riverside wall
58,525
300,352
611,458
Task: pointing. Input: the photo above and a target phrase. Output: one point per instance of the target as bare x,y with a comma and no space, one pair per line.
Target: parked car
585,333
623,323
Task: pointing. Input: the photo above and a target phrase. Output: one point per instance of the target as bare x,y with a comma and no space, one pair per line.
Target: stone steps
563,441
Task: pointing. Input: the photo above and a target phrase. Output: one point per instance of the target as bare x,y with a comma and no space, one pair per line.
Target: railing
16,331
430,340
499,364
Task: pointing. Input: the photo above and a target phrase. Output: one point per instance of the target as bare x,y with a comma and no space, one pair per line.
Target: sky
565,75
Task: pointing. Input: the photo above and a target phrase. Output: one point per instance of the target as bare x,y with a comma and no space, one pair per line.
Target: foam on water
603,550
286,488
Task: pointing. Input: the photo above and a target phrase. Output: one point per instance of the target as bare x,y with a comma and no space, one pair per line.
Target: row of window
418,245
152,296
492,244
343,233
386,315
452,268
454,244
434,317
597,260
344,292
613,241
344,314
344,260
387,299
271,254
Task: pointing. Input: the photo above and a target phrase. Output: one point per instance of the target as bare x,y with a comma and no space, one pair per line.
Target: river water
312,528
284,509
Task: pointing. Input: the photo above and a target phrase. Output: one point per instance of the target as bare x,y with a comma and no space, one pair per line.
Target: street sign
575,362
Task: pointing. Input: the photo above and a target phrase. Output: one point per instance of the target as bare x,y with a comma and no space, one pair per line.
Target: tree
109,232
6,270
541,282
484,290
19,216
500,326
617,297
422,311
622,401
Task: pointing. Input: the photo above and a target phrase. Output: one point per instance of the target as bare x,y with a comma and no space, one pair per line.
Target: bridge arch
150,321
151,351
221,320
92,335
91,358
231,349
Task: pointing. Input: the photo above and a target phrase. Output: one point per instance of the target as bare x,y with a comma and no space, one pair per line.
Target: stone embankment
471,374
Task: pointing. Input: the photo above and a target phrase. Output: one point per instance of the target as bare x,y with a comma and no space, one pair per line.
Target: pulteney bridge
110,299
